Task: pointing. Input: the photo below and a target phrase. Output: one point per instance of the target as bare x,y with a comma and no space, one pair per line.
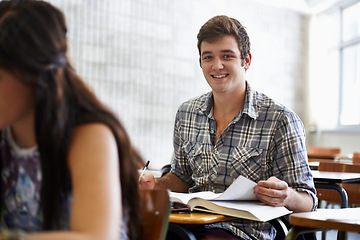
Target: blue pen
144,169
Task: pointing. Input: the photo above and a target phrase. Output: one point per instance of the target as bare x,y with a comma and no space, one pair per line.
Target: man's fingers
273,183
147,181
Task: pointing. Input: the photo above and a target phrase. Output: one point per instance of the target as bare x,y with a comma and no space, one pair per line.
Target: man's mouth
220,76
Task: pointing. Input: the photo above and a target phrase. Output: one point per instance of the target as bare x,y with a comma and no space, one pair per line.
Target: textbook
238,200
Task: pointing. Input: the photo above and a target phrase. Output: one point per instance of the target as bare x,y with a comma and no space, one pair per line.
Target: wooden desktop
344,219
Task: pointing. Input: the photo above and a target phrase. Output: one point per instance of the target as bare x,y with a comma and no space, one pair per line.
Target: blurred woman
68,169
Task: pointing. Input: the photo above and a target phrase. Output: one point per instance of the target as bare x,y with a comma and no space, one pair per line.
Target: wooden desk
347,219
180,223
314,165
332,158
197,218
330,180
336,177
321,160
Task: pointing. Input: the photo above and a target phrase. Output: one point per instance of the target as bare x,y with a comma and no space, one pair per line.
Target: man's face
222,65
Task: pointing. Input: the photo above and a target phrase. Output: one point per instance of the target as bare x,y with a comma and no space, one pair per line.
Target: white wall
140,58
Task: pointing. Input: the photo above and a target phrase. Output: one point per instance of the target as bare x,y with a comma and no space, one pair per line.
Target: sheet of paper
240,189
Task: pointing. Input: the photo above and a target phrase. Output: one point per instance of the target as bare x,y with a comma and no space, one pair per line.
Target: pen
144,169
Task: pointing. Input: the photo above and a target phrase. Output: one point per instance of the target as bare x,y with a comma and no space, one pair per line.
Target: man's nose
217,64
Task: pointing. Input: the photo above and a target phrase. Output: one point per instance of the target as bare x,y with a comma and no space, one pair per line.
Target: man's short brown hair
220,26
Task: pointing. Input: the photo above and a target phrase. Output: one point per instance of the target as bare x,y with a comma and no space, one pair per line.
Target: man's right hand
147,181
169,181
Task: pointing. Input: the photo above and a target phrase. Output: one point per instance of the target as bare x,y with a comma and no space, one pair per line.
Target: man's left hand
276,192
273,192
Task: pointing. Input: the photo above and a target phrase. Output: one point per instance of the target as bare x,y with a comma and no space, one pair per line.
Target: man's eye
227,56
207,57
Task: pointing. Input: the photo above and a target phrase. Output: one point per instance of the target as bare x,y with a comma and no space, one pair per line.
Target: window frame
342,46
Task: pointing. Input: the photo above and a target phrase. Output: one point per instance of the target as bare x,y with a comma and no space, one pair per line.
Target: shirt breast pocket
193,152
248,162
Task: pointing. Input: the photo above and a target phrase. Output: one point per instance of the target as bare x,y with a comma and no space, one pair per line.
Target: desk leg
339,189
344,199
341,236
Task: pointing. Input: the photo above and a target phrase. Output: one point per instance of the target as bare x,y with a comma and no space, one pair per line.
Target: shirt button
215,152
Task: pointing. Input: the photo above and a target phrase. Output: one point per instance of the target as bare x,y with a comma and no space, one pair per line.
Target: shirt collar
251,102
207,106
249,108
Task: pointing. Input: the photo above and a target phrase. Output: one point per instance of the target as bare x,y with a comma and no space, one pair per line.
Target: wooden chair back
353,190
356,158
155,213
323,152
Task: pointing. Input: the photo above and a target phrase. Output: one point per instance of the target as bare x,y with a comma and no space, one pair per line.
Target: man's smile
220,76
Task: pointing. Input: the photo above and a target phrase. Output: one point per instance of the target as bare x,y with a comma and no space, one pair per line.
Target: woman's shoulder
92,144
92,131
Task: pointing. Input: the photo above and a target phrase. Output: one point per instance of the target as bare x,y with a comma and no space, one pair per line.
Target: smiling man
234,130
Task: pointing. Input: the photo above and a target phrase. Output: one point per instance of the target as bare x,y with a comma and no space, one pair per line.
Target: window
350,66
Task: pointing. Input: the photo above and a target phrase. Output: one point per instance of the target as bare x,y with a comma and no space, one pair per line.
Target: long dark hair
33,45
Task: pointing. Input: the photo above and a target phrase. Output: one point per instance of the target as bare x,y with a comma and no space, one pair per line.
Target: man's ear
247,61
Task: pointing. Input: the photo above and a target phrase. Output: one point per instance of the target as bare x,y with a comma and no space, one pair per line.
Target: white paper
240,189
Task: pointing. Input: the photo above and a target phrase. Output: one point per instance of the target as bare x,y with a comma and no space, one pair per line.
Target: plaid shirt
265,139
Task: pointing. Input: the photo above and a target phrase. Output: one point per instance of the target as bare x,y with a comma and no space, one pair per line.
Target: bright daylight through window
350,66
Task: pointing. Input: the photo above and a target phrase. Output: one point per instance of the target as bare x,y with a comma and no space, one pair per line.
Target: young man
234,130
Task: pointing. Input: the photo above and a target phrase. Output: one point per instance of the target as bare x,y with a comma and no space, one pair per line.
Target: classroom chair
315,152
356,158
353,190
155,210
